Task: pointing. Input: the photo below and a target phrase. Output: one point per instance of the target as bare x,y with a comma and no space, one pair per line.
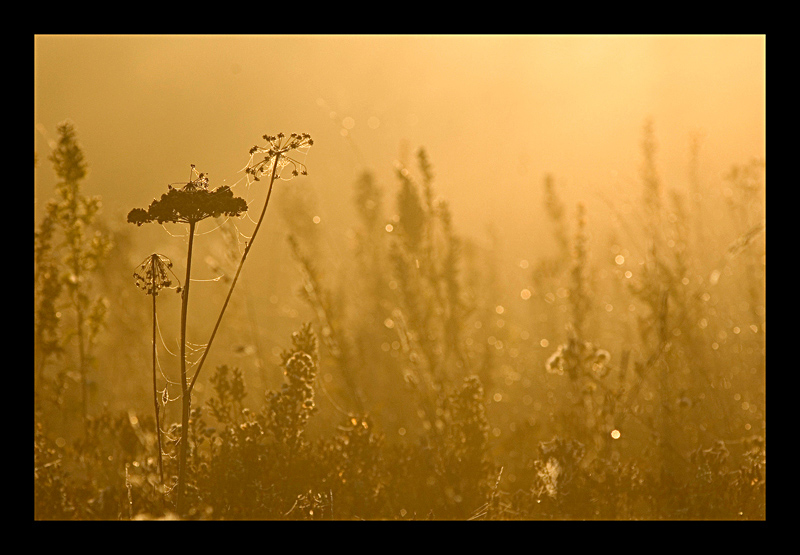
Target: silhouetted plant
155,274
189,204
420,311
276,158
69,250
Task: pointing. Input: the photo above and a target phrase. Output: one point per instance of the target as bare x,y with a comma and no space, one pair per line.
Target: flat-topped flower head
153,274
279,146
190,204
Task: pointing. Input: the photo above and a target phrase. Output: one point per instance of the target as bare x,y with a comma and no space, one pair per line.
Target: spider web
245,187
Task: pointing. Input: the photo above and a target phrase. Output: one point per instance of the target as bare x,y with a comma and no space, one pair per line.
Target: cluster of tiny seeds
278,147
154,265
200,181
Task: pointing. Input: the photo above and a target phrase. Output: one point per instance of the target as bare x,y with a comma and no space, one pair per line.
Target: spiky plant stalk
68,239
579,293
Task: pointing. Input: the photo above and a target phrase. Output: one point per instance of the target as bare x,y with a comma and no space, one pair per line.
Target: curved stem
247,248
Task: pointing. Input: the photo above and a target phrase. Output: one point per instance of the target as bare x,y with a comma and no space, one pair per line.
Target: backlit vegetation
621,377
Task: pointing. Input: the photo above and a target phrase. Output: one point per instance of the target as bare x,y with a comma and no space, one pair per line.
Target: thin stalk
155,386
664,382
74,238
247,248
77,269
82,358
186,390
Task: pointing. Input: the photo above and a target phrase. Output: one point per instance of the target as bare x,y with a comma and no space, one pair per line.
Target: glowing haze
495,113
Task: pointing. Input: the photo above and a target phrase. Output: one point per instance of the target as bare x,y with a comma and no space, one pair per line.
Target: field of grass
423,377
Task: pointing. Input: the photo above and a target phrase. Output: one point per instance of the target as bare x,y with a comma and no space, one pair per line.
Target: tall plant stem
186,397
155,387
82,358
77,269
247,248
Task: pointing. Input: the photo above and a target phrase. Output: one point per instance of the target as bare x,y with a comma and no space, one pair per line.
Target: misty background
494,113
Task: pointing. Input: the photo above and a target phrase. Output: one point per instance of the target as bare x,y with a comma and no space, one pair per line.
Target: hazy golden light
527,239
569,105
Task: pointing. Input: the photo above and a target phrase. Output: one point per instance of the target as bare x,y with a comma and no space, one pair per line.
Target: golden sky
496,113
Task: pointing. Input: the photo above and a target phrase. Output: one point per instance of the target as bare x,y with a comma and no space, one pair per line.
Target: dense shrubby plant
69,249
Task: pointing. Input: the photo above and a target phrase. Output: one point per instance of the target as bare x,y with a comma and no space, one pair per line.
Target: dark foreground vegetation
620,375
